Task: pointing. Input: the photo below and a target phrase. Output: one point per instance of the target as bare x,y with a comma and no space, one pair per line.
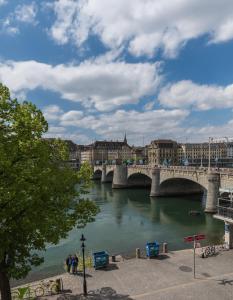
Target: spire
125,139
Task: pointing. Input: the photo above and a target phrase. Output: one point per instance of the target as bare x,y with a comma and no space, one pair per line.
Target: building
201,154
168,152
86,154
106,152
139,155
163,152
180,155
74,152
230,150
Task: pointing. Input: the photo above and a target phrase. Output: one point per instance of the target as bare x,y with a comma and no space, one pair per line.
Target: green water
128,219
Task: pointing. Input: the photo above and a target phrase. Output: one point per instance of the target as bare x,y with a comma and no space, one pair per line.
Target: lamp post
210,139
84,271
228,152
201,155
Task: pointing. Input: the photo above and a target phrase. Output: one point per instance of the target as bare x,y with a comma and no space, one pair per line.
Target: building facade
160,152
75,150
74,153
139,155
163,152
86,154
202,154
107,152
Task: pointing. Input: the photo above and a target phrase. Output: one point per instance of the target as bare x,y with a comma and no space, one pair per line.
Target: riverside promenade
168,277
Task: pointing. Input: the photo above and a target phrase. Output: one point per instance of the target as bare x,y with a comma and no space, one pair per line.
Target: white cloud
71,117
201,97
150,124
142,26
149,105
26,13
56,130
198,134
104,86
224,32
2,2
8,28
78,138
52,112
113,125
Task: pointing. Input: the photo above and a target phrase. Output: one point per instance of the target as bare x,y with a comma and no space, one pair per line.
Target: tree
41,199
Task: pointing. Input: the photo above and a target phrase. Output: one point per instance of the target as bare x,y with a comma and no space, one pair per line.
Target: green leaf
41,198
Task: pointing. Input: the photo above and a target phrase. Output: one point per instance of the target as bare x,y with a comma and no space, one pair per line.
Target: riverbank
168,277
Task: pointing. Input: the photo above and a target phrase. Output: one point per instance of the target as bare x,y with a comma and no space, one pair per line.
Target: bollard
165,248
138,254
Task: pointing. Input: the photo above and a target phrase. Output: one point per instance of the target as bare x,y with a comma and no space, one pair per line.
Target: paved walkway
170,277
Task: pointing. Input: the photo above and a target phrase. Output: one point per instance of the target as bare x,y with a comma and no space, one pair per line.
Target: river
127,220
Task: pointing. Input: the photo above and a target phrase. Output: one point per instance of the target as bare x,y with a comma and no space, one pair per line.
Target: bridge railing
225,206
225,212
227,171
140,166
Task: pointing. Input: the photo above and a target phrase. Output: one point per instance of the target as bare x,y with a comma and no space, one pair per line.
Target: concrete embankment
168,277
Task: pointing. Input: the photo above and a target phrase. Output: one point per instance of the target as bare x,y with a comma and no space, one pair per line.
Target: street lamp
201,155
210,140
84,271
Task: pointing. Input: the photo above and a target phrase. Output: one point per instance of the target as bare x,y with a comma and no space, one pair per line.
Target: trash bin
152,249
100,259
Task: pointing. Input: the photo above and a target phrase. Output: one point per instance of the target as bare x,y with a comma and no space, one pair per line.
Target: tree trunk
5,286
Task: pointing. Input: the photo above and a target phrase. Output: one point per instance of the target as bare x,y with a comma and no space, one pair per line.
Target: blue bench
100,259
152,249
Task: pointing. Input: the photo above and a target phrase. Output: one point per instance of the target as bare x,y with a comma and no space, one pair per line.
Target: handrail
222,171
226,212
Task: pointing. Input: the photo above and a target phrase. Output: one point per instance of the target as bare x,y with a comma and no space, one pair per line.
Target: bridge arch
97,174
180,186
109,176
138,179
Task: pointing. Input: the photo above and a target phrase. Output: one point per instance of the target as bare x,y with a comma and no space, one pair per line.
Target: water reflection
155,210
118,204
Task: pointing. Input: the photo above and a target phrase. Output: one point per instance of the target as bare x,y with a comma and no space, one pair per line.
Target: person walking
68,263
74,264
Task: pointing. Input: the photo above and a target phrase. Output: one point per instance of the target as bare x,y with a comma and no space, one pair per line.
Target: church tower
125,139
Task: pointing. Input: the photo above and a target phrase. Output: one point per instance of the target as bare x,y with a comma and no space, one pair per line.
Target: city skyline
99,68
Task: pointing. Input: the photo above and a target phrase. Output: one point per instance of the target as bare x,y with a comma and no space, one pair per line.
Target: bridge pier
120,177
212,193
103,176
155,183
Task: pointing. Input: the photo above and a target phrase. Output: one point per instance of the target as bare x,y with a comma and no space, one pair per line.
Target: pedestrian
73,265
68,263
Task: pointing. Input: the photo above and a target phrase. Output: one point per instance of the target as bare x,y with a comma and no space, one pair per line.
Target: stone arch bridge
174,180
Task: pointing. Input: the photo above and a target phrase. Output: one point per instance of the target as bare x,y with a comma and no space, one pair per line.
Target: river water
128,219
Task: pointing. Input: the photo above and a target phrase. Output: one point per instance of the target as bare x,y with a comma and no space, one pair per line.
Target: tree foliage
41,199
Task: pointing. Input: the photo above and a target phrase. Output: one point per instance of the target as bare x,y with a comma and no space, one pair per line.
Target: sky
101,68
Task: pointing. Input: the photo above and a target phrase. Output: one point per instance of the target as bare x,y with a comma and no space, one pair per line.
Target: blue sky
100,68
